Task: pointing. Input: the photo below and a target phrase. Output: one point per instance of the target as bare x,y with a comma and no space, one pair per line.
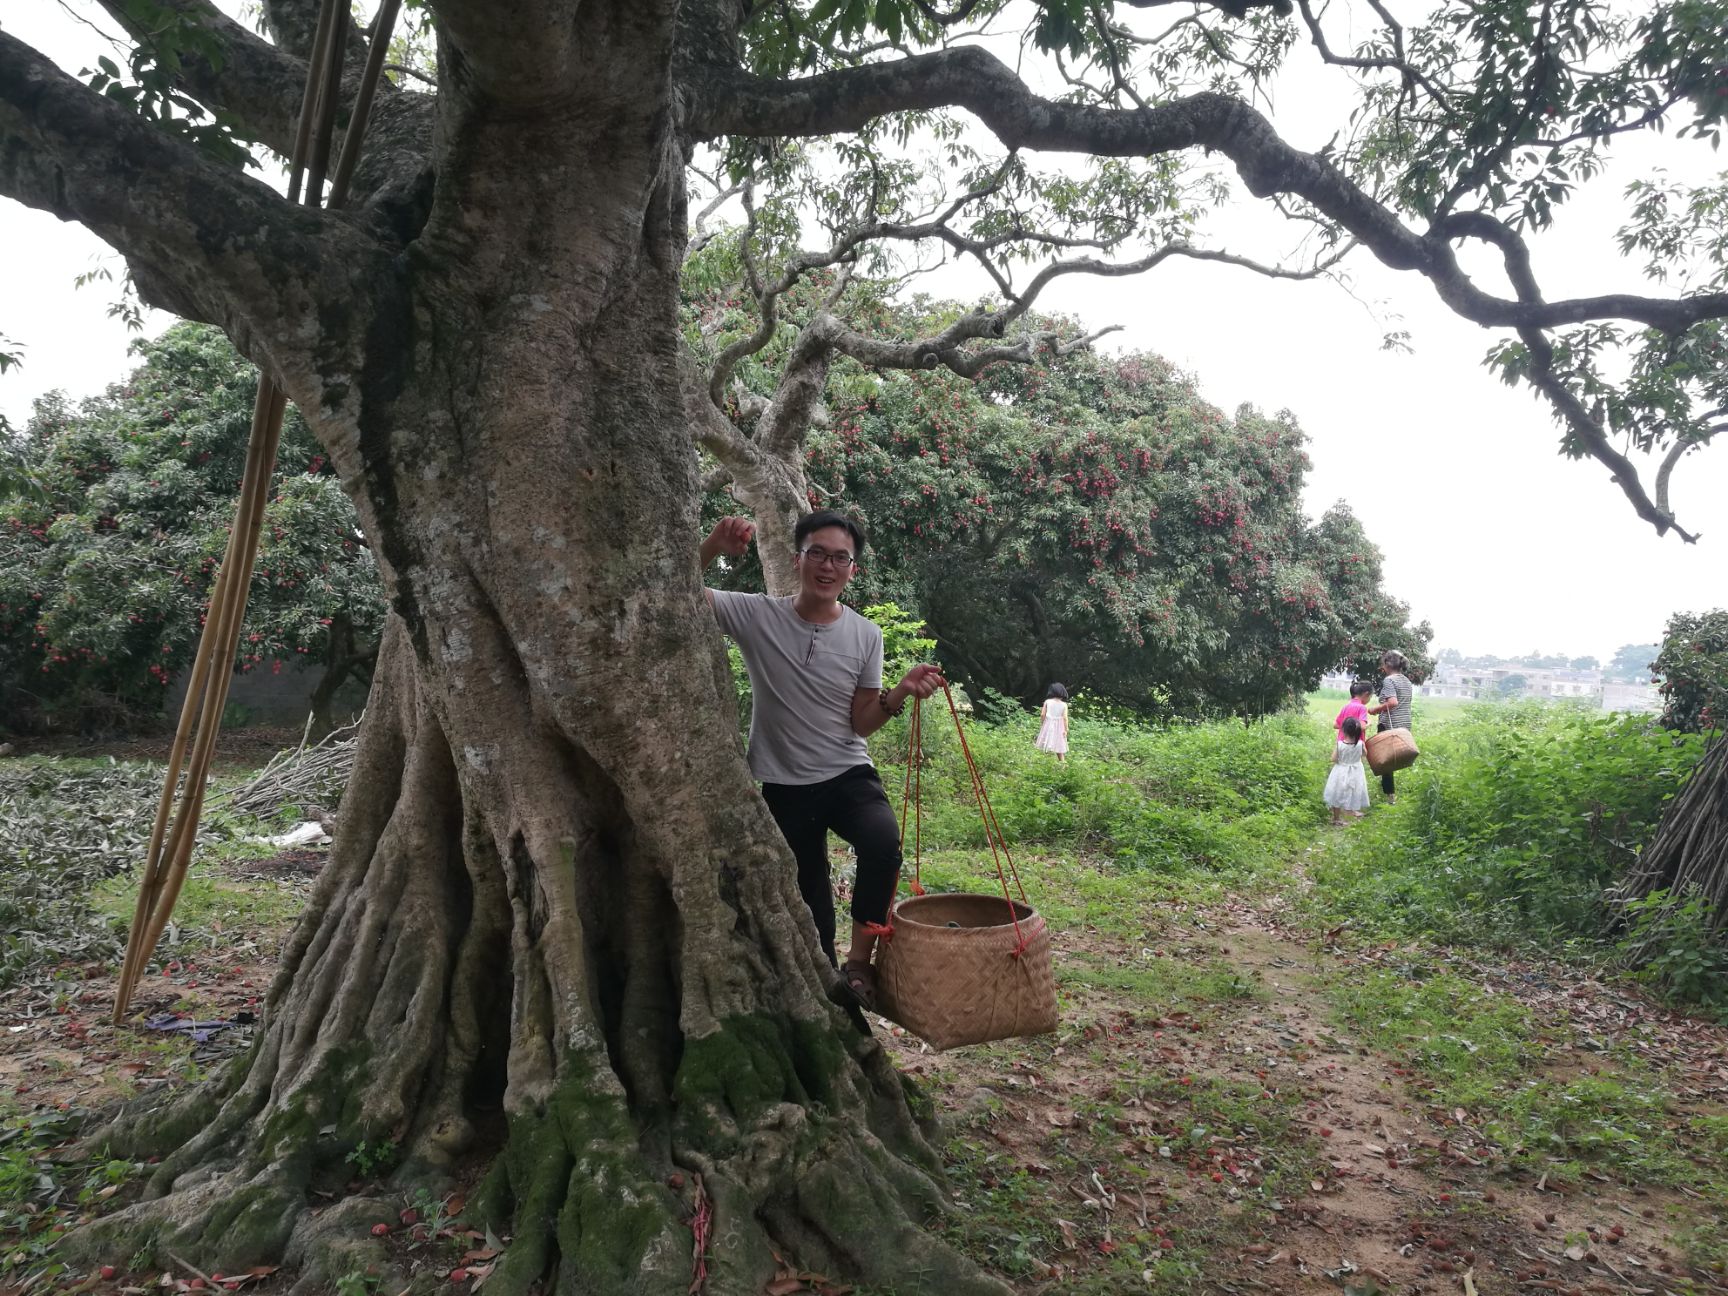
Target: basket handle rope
913,792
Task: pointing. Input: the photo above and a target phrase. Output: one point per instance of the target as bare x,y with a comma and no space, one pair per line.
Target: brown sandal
860,979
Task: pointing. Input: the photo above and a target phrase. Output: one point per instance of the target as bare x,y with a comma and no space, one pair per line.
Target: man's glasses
841,561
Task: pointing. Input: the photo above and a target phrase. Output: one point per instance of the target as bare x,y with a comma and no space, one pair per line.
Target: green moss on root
571,1176
751,1063
321,1124
252,1226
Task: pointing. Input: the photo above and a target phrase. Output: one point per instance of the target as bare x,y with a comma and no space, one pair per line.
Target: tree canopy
106,571
1693,668
1093,520
1633,661
555,889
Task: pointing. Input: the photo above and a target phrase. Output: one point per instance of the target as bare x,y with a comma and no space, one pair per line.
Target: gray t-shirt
802,678
1395,688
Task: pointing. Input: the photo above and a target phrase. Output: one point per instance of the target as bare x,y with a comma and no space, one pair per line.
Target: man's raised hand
731,536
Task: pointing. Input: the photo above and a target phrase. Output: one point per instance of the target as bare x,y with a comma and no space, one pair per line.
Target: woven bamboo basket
1391,750
949,974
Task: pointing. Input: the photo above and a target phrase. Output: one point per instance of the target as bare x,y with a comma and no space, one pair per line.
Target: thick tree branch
256,83
971,78
803,378
708,422
1588,431
202,240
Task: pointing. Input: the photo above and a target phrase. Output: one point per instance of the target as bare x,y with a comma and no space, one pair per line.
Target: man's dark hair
829,518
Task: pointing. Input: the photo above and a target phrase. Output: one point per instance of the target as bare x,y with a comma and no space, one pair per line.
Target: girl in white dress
1053,723
1346,786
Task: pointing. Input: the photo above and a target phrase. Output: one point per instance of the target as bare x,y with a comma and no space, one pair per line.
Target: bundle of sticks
169,854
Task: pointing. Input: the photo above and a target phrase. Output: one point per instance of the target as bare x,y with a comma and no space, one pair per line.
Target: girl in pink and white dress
1346,788
1053,723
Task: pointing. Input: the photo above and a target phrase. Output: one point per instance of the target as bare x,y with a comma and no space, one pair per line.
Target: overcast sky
1489,533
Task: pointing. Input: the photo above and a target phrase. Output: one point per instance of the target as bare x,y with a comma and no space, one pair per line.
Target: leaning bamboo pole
172,836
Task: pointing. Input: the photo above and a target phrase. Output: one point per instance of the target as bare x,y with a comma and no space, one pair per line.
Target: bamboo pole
168,856
190,710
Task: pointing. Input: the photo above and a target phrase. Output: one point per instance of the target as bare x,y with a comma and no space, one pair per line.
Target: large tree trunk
559,930
342,660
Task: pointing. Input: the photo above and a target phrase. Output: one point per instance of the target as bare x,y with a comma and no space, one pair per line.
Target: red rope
993,833
702,1230
912,799
913,792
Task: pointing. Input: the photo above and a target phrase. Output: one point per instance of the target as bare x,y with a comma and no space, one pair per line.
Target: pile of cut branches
1688,856
65,827
308,778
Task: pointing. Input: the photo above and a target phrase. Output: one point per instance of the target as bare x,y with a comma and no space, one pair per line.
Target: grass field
1290,1058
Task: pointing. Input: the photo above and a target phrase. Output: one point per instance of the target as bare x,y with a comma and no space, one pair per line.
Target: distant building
1641,698
1477,682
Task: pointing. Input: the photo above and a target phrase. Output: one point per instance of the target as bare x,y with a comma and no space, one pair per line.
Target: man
816,680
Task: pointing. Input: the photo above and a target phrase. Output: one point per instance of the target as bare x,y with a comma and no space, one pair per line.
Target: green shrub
1508,828
1672,935
1216,797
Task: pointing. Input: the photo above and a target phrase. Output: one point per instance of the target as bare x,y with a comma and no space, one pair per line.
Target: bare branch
766,302
402,69
700,235
1411,75
972,78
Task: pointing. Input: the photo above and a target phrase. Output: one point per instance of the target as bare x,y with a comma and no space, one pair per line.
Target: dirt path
1247,1143
1201,1123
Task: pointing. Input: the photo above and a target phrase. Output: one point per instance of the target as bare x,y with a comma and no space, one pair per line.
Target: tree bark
343,660
559,933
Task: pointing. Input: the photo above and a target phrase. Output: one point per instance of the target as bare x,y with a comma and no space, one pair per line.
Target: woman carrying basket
1393,708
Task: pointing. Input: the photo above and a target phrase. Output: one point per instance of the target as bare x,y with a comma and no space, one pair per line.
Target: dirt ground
1137,1131
60,1049
1404,1197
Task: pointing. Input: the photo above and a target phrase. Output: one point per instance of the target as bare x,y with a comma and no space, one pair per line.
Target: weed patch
43,1195
1507,830
1483,1053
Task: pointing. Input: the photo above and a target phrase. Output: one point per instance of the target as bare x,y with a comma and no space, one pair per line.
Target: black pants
855,806
1386,784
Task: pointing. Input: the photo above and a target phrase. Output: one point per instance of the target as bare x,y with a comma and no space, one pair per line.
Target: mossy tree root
547,962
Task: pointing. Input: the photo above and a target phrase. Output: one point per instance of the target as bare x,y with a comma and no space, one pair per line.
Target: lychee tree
558,933
106,566
1093,520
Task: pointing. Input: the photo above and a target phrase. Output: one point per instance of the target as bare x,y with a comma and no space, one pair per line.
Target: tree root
498,946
